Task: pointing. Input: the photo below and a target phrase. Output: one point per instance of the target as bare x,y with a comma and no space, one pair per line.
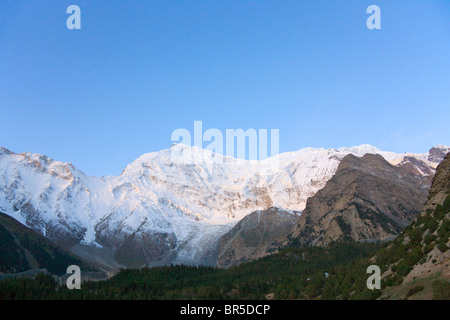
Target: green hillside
22,249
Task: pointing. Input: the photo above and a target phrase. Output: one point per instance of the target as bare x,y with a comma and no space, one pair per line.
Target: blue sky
101,96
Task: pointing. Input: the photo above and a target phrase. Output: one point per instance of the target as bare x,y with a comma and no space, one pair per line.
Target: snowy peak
361,150
4,151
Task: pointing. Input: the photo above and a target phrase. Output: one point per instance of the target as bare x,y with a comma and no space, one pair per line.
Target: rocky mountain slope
417,263
253,237
367,198
160,210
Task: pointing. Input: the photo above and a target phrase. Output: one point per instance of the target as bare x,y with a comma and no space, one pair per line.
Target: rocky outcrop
438,259
255,236
437,153
440,187
366,199
419,259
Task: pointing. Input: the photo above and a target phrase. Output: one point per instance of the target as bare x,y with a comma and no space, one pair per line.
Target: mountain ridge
179,209
367,198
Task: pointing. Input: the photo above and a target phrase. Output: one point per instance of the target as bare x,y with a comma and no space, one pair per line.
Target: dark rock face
436,154
255,236
441,185
146,249
137,250
416,166
367,199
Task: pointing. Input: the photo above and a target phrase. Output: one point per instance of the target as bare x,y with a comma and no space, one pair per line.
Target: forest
336,272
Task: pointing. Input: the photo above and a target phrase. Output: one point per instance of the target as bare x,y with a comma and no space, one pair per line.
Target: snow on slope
195,202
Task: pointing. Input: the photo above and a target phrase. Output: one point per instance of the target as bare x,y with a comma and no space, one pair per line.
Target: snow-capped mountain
162,211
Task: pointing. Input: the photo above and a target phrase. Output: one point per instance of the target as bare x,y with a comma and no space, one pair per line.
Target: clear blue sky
101,96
